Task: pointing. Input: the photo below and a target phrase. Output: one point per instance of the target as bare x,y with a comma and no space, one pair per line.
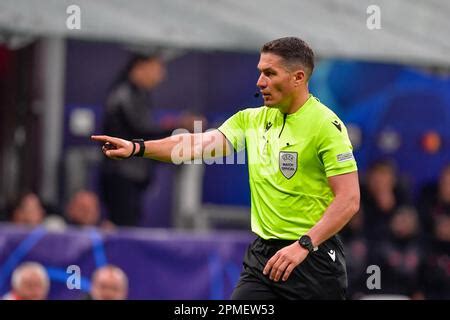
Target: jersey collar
302,109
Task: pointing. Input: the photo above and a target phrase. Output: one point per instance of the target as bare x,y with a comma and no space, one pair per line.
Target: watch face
305,242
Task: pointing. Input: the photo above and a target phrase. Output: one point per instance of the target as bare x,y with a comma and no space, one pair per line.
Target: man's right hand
115,148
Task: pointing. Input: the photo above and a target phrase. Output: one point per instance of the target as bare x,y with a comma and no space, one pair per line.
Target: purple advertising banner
160,264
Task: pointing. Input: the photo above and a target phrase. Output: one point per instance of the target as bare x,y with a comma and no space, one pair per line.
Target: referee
303,179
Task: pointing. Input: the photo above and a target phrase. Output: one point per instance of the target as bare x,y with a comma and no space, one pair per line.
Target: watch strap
306,242
141,143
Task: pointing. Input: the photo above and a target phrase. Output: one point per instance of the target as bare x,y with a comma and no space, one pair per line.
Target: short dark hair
382,163
133,60
294,51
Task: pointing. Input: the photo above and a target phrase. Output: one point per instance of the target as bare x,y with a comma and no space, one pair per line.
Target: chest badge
288,163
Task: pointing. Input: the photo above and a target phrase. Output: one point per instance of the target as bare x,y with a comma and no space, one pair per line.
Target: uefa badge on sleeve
288,163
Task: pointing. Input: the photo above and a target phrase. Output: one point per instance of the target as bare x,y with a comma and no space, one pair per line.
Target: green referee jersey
289,160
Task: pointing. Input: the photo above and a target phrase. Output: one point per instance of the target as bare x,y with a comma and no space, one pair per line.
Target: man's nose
261,83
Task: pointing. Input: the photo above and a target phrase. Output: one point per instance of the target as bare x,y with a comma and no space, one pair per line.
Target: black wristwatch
305,242
142,147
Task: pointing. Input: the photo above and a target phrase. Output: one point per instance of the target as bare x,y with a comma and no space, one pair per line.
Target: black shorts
318,277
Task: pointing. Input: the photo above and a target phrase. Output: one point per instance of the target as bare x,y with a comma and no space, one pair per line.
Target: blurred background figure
435,200
109,283
357,255
128,114
28,210
29,281
400,255
381,195
83,209
436,274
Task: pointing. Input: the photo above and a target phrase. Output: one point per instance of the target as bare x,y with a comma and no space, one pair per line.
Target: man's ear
299,76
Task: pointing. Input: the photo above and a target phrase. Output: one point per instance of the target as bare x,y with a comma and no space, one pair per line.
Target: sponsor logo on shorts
332,254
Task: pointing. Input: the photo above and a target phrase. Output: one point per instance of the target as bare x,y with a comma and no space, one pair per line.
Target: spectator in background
109,283
435,201
28,210
436,274
357,255
29,281
128,115
83,209
400,255
381,196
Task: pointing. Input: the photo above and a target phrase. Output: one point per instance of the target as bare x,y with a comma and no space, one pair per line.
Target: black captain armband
141,149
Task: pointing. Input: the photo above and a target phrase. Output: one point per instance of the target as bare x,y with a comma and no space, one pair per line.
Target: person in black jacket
129,114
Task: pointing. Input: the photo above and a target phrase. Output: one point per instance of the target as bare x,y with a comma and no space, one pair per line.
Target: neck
296,103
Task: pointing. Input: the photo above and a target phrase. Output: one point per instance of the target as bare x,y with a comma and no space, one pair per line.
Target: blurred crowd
83,209
128,114
30,281
407,238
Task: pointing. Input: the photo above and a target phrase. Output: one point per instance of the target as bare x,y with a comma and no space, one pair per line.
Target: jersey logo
268,126
288,163
337,125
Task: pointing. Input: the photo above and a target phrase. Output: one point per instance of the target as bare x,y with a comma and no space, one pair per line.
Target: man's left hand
284,261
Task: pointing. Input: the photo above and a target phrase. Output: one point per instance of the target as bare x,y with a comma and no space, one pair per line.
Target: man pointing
303,178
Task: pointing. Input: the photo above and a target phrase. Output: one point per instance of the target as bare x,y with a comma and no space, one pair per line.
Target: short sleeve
334,148
234,130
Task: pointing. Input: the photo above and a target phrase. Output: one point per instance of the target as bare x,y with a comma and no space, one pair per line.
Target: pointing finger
115,141
100,138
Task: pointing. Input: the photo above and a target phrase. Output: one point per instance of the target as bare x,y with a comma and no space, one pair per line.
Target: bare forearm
185,147
173,149
337,215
